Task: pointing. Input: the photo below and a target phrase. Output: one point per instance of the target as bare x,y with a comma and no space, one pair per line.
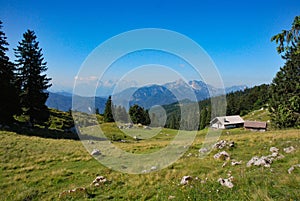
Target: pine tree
285,88
108,115
203,117
34,83
9,101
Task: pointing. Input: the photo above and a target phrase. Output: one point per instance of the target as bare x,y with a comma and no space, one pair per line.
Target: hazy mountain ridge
146,96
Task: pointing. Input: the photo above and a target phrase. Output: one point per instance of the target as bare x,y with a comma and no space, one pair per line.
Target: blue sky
236,34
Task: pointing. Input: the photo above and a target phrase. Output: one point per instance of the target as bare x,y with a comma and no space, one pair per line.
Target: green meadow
37,168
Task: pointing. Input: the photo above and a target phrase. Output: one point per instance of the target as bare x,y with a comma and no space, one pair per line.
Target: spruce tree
34,83
285,88
108,115
203,117
9,101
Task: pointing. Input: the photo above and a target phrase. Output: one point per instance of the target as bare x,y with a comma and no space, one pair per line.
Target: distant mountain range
146,96
63,102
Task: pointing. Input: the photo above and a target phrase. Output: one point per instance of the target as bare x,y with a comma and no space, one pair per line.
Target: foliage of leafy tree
108,115
34,83
139,115
9,101
285,88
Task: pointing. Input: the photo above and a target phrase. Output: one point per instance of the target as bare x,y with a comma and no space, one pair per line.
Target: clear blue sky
236,34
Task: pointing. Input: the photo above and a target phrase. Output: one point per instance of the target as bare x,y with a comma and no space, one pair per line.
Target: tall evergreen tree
108,115
203,118
9,101
31,67
285,88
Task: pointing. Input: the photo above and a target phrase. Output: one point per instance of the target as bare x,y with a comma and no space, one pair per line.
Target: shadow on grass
23,129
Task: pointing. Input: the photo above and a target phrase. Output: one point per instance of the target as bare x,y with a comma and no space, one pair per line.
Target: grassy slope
258,115
34,168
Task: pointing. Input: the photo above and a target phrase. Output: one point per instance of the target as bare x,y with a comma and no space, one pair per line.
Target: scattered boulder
266,161
223,143
262,161
291,169
185,180
220,145
222,155
98,181
136,138
203,150
171,197
231,144
226,182
289,149
153,168
233,163
73,191
274,149
147,128
95,152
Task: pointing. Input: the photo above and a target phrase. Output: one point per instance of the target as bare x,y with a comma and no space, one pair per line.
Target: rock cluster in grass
265,161
223,155
99,180
222,144
78,190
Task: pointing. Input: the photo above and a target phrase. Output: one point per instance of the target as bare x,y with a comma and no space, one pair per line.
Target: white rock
95,152
289,149
222,155
203,150
291,169
274,149
225,182
185,180
233,163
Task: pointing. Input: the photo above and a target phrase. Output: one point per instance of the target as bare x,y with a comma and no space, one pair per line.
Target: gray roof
255,124
228,120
